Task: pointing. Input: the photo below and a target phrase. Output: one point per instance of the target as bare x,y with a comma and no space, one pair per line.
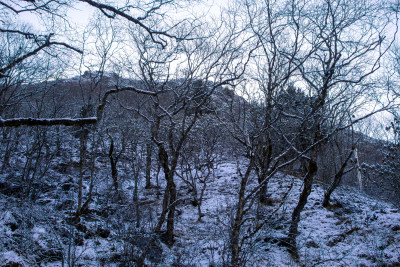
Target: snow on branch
100,107
16,122
46,122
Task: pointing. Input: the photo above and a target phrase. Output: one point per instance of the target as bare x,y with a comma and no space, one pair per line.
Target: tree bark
46,122
169,235
336,180
235,238
82,155
149,149
171,188
113,163
264,158
263,193
293,229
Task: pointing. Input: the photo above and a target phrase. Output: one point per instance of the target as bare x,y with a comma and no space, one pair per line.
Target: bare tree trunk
58,141
136,196
85,206
359,172
336,180
113,163
32,168
263,192
161,219
7,155
169,235
293,232
157,176
149,149
200,199
265,158
235,237
82,155
171,188
10,142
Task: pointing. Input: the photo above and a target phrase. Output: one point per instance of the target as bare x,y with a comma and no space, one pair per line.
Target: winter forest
199,133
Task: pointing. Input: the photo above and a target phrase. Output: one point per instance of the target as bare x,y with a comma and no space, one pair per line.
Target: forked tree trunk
171,188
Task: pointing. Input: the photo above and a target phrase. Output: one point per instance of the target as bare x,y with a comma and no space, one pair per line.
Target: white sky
78,15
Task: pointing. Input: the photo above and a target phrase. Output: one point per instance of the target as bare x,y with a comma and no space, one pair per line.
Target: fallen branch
46,122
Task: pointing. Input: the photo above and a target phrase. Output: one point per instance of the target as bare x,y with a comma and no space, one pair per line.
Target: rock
396,228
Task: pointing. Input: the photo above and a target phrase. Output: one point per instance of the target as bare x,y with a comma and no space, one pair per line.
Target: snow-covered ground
355,231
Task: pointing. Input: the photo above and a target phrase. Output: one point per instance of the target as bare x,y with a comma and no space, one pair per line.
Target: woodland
195,133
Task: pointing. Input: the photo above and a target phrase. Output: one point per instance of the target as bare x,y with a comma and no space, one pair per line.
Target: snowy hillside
195,133
354,231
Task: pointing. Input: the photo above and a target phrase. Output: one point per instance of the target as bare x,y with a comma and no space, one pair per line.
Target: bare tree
183,80
336,73
32,45
325,60
199,159
255,122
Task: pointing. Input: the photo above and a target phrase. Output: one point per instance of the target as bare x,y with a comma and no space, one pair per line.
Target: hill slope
357,230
